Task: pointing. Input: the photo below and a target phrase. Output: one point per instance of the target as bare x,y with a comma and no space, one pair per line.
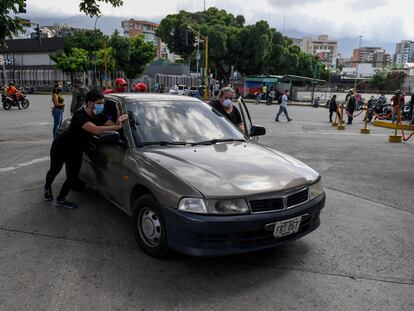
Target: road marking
15,167
39,123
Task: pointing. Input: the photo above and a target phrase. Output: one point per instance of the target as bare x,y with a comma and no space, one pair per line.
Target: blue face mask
98,108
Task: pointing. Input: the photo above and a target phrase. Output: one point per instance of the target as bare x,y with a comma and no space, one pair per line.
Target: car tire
149,227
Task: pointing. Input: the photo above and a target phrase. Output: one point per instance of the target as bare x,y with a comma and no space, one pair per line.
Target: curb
391,125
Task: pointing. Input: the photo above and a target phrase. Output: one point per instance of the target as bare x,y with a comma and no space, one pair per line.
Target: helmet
398,92
11,83
120,82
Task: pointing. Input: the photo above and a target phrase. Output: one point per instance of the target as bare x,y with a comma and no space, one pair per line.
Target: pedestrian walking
58,107
332,107
397,102
67,148
283,106
78,96
351,105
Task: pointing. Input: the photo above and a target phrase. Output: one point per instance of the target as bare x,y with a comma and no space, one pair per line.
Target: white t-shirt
284,101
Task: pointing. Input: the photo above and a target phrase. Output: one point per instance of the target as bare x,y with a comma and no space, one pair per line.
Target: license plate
286,227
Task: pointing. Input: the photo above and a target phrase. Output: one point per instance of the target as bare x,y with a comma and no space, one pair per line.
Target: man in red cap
120,87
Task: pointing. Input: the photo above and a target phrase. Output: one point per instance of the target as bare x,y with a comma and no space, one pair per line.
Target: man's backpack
279,100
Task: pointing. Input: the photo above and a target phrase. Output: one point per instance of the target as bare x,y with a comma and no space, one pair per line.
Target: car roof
150,97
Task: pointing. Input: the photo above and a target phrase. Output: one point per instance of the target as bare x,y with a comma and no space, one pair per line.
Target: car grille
276,204
265,205
298,197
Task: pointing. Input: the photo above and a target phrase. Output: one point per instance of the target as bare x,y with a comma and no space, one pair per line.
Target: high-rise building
404,52
133,28
372,55
326,50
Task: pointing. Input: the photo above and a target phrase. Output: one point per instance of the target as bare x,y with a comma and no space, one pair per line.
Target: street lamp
359,57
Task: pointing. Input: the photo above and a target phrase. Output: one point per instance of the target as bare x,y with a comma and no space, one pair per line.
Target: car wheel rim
149,227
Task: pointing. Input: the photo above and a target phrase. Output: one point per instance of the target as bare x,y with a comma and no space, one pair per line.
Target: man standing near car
78,96
224,105
67,148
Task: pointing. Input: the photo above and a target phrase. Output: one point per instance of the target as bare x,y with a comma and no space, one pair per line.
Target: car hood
234,169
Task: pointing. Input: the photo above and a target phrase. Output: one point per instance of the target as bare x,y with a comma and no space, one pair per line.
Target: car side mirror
110,137
257,130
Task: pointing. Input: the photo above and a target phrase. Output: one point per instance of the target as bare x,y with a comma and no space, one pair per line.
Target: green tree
89,40
121,50
251,49
140,54
395,80
10,24
75,61
377,81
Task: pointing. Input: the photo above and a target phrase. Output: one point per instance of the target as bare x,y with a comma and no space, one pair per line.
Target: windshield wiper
217,140
163,143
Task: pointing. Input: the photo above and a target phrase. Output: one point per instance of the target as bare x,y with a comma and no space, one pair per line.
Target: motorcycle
270,97
9,101
316,102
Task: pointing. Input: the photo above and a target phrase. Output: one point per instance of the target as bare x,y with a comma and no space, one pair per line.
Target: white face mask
227,103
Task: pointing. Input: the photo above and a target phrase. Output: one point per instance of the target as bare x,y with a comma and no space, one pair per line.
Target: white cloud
382,20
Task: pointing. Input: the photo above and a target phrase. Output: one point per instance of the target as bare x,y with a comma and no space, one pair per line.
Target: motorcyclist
120,86
12,92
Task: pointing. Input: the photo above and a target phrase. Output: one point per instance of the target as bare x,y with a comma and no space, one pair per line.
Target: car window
178,121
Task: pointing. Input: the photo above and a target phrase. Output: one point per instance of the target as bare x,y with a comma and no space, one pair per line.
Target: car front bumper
205,235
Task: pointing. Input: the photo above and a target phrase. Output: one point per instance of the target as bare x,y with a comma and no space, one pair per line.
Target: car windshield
178,122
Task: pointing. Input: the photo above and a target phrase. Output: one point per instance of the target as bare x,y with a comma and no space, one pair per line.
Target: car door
247,120
106,165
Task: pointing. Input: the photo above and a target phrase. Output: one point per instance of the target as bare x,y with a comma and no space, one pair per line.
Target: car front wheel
149,226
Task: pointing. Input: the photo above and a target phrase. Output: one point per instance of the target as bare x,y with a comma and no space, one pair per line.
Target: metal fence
44,79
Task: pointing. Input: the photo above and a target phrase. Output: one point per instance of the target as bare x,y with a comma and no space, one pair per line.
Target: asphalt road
360,258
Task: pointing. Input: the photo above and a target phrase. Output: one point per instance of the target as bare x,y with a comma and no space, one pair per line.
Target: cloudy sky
376,20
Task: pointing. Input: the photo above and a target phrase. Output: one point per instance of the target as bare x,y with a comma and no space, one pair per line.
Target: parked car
194,91
193,183
180,90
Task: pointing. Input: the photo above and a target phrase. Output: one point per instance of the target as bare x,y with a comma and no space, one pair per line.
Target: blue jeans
284,110
57,120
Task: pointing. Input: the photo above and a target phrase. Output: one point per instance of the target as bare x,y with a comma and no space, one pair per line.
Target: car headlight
215,207
227,207
193,205
315,190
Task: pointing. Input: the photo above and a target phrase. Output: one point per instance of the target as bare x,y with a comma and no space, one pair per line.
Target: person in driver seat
224,105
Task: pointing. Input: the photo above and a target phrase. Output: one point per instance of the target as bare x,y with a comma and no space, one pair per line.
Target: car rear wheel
149,227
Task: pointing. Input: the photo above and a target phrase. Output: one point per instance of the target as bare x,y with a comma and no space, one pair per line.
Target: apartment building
133,28
371,55
404,52
324,48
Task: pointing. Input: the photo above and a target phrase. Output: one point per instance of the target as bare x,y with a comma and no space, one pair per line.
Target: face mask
59,89
227,103
98,108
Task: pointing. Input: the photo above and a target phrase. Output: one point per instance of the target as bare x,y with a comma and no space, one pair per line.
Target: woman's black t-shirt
234,116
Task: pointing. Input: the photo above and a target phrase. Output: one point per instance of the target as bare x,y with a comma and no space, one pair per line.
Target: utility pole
359,57
204,5
205,40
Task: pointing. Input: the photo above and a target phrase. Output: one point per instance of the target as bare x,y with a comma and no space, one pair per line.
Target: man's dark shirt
75,137
234,117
